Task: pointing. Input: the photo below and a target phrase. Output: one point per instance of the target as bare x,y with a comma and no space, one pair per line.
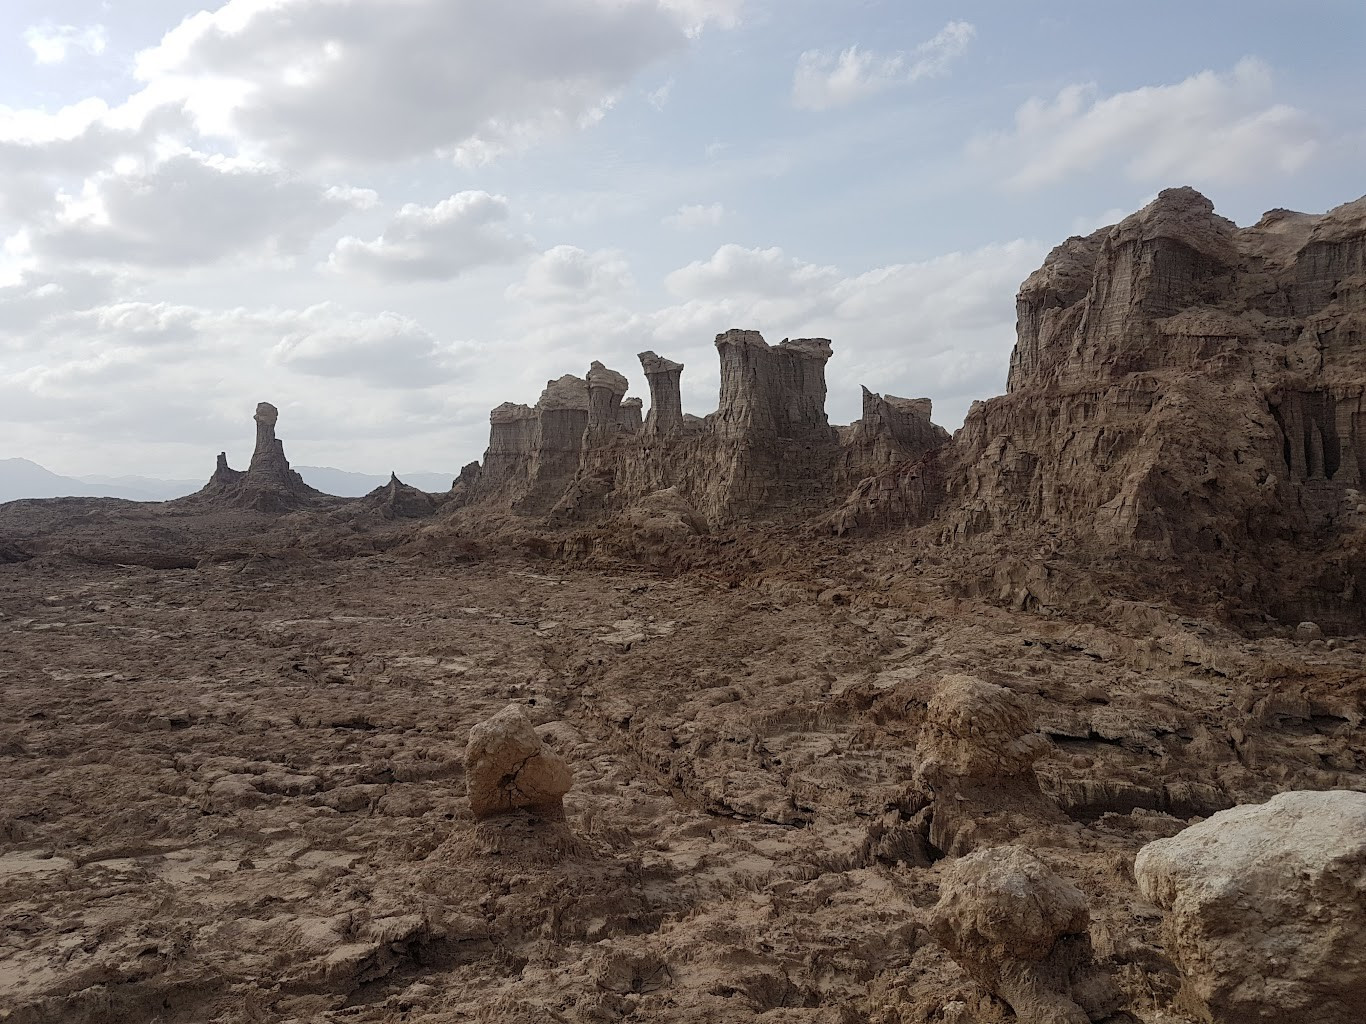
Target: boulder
977,748
1267,909
508,768
1020,930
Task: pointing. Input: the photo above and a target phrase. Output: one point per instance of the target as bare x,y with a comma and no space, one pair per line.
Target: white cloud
52,44
467,230
379,81
190,209
689,218
387,350
823,80
568,275
659,98
1210,127
933,57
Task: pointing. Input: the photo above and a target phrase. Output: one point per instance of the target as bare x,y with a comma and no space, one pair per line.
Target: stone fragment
1267,909
1020,929
1307,631
507,767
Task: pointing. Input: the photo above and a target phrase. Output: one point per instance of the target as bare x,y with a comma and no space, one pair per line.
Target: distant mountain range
21,478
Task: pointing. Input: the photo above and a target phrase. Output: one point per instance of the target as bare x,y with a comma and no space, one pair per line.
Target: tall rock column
606,389
630,417
772,391
512,433
666,402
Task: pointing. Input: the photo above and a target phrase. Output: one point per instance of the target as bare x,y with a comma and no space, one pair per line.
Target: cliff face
1180,390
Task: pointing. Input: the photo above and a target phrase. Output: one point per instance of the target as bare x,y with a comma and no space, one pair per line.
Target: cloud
568,275
823,80
689,218
1210,127
434,243
933,57
377,81
52,44
190,209
387,350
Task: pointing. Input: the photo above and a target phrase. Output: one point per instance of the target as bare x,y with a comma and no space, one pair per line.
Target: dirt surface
236,793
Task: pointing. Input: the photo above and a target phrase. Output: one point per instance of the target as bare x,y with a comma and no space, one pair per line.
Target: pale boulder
1267,909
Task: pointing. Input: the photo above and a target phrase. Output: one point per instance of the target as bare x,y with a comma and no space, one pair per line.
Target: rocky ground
235,791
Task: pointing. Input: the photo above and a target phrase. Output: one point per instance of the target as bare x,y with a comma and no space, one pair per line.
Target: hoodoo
269,484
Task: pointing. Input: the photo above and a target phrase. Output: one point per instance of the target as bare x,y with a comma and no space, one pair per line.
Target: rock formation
508,768
891,431
768,448
630,416
666,403
1267,908
1021,930
269,484
771,392
977,748
1182,391
606,389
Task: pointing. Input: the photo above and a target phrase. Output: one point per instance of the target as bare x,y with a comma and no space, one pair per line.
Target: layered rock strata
666,402
1181,391
768,448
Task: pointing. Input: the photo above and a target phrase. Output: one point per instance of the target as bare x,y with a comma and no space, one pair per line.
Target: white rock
1268,908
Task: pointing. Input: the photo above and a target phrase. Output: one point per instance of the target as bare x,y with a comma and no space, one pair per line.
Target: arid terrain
865,724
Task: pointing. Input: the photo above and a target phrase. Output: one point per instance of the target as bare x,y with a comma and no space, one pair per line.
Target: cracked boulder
1020,929
508,768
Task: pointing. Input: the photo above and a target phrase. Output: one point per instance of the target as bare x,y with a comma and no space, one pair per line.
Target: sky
388,216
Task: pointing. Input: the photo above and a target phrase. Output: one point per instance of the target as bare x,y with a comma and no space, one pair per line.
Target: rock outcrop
268,484
1020,929
977,747
1182,393
1267,908
606,389
666,403
584,453
508,768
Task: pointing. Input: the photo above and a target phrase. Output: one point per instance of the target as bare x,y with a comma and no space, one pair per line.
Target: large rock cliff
1182,392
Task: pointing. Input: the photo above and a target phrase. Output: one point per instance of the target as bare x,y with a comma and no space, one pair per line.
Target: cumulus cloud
387,350
824,80
690,218
467,230
567,274
1217,127
378,81
190,209
52,44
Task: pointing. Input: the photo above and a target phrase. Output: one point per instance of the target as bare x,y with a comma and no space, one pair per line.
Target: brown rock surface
507,768
1021,930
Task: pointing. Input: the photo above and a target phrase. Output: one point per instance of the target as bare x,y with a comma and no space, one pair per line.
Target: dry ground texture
235,793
